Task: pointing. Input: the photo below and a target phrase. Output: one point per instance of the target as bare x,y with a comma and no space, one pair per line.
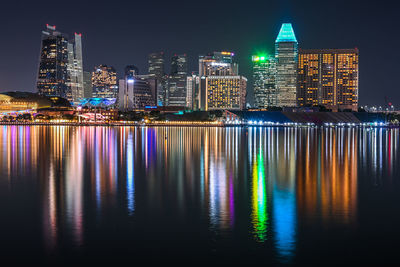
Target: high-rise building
156,69
218,64
104,82
134,91
286,55
53,73
220,86
176,93
75,69
225,92
87,84
264,86
328,77
192,89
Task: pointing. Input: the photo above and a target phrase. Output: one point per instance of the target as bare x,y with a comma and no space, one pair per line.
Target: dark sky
119,33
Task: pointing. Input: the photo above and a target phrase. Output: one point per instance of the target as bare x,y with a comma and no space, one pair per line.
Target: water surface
95,195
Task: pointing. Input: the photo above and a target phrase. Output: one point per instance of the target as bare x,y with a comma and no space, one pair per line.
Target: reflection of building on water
284,211
295,175
130,179
272,156
74,188
259,216
327,176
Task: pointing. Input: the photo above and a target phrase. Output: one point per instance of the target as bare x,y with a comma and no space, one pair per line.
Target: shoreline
194,124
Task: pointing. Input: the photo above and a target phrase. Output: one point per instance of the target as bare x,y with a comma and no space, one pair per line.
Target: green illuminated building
264,74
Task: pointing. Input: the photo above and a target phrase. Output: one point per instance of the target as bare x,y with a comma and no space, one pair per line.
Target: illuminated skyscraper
264,74
176,93
286,55
156,69
328,77
192,88
134,91
104,82
225,92
218,64
220,86
75,68
53,73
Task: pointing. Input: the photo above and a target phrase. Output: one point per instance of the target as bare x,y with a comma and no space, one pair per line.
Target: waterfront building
156,69
135,92
53,73
177,81
104,82
27,102
225,92
87,84
220,86
329,78
264,86
286,55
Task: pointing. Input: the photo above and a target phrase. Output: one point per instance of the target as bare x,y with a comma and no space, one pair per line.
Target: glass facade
156,69
53,73
264,86
75,69
176,94
134,94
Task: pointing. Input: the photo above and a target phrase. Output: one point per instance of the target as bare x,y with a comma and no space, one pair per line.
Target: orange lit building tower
328,77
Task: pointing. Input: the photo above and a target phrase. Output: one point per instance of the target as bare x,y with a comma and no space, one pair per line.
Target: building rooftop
286,34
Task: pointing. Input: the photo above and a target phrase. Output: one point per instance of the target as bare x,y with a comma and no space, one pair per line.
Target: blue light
286,34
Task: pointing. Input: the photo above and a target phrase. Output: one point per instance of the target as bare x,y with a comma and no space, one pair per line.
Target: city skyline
253,36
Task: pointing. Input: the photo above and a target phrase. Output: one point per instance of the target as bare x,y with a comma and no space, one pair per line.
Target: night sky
119,33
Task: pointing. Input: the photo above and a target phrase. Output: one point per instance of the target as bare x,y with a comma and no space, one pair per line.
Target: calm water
198,195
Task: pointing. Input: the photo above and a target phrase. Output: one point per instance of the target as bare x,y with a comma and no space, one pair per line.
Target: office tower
192,90
153,84
328,77
134,93
53,74
156,69
225,92
75,69
87,84
218,64
104,82
264,74
179,64
220,86
286,55
176,93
